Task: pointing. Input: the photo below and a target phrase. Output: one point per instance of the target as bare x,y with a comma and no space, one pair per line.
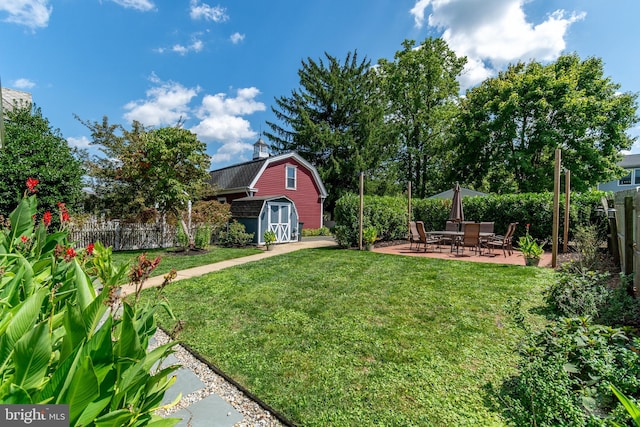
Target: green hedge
389,215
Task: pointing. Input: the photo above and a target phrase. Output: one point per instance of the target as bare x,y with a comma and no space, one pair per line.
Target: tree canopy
420,88
33,149
147,168
510,126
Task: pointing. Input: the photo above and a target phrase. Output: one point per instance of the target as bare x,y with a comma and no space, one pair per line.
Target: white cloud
141,5
24,84
236,38
79,142
195,46
166,104
220,118
222,121
31,13
208,13
494,33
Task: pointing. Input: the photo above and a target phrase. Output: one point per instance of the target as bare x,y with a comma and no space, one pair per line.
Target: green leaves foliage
510,126
34,149
62,342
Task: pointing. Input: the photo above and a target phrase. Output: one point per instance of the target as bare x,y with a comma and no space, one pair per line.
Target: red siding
306,196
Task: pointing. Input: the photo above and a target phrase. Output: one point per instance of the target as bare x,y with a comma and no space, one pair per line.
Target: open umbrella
457,214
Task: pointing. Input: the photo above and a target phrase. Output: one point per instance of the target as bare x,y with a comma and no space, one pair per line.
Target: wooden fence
626,227
125,236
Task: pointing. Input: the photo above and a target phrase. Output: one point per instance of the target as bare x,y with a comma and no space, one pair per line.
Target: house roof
464,192
630,161
250,207
244,176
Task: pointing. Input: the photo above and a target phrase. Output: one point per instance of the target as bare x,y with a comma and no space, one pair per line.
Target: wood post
556,210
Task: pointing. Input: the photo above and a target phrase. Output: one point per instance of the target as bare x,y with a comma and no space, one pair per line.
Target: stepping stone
211,411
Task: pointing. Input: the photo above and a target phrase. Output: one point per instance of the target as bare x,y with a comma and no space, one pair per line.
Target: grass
171,259
349,338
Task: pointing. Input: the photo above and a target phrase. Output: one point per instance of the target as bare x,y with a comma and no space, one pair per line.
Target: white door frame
280,220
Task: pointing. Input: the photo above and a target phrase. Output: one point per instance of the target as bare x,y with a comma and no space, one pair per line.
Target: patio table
455,234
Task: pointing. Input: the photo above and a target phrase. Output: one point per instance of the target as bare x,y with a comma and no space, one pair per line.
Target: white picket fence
125,236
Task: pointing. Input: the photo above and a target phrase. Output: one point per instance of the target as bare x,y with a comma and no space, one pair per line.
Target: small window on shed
626,180
636,173
291,177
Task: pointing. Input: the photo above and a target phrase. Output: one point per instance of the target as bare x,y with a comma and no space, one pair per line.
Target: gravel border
253,413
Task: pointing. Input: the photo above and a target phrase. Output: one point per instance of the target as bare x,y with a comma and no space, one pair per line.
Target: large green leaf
83,389
31,357
21,219
14,395
157,421
117,418
93,314
128,342
85,290
24,317
632,408
74,328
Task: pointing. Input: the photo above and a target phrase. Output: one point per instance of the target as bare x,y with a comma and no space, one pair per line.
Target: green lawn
348,338
171,259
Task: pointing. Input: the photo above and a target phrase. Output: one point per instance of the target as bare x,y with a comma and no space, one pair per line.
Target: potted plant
269,238
531,250
370,235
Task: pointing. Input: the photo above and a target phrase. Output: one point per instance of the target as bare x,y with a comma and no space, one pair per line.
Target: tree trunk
187,232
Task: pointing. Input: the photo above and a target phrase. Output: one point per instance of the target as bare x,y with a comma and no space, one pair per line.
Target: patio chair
449,240
486,227
428,239
470,238
414,237
503,242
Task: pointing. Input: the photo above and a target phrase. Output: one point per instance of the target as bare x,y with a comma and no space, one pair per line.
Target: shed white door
280,221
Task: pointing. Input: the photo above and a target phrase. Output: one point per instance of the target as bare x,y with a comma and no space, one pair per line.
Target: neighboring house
12,98
286,190
630,181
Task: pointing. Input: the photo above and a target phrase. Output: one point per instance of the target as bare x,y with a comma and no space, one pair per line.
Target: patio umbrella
457,214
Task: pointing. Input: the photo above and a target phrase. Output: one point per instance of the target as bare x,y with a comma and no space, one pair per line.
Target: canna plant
61,341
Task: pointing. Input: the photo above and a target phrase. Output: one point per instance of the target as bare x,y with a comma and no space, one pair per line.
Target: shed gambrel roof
250,207
243,176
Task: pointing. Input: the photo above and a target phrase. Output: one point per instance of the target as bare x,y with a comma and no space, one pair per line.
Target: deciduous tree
162,168
510,126
420,88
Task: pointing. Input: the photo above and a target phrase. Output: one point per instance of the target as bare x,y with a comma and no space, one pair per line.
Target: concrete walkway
213,410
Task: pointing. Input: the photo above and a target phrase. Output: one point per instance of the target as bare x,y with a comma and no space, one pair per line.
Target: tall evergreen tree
33,149
334,121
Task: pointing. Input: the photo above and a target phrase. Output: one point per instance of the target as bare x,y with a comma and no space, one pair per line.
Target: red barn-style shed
286,175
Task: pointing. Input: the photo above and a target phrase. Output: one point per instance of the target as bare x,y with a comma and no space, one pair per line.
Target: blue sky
219,65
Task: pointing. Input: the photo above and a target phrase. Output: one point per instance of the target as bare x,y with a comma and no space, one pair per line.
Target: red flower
46,218
31,184
69,254
90,248
24,239
65,216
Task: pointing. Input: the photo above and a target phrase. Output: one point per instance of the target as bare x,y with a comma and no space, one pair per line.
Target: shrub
566,372
203,236
61,342
181,237
236,235
578,293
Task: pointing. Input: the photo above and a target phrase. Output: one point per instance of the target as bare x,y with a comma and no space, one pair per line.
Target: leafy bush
181,237
61,342
389,214
236,236
566,372
576,293
322,231
203,236
588,241
621,309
